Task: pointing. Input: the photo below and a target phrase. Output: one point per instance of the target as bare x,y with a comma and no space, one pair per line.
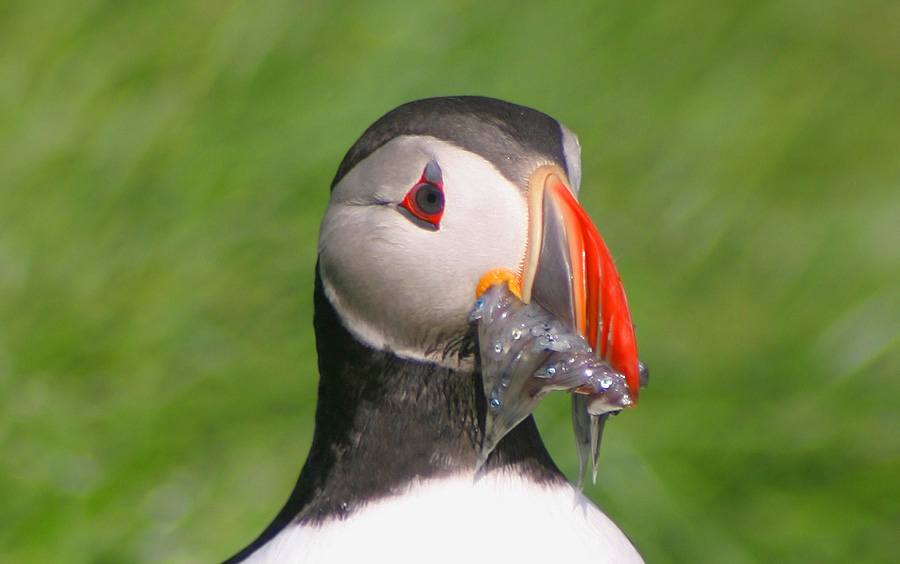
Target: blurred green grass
164,166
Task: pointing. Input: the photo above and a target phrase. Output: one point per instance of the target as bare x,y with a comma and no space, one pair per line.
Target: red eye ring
425,200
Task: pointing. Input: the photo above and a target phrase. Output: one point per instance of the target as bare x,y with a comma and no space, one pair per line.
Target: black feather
383,421
501,132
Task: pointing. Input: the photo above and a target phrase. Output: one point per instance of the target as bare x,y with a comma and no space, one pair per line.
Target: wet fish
527,352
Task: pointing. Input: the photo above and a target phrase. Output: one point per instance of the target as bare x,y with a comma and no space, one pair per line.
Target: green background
164,166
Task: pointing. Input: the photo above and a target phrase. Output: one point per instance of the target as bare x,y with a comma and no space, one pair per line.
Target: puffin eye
428,198
425,201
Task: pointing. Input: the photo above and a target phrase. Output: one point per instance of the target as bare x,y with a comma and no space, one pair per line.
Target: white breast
496,518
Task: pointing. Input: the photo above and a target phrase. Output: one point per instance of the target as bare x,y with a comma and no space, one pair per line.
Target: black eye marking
432,174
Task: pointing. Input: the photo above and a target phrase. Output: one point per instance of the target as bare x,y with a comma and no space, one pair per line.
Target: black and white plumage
432,197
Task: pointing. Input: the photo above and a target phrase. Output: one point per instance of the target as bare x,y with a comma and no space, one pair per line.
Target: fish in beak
561,323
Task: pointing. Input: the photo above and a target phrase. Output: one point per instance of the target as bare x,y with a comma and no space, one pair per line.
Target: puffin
438,199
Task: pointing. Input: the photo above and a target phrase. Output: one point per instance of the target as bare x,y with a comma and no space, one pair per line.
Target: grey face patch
402,288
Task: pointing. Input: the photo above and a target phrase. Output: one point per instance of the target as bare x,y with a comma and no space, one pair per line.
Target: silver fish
527,352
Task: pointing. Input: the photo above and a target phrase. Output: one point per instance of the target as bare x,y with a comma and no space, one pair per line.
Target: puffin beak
569,271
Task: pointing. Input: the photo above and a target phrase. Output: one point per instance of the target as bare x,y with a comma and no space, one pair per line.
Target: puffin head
442,197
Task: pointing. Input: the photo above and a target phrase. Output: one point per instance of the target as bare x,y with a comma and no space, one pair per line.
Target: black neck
383,421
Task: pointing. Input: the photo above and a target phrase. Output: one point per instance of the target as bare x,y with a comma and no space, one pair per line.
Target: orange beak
569,271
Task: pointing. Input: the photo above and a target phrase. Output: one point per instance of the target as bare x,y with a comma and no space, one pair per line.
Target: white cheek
363,267
485,223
